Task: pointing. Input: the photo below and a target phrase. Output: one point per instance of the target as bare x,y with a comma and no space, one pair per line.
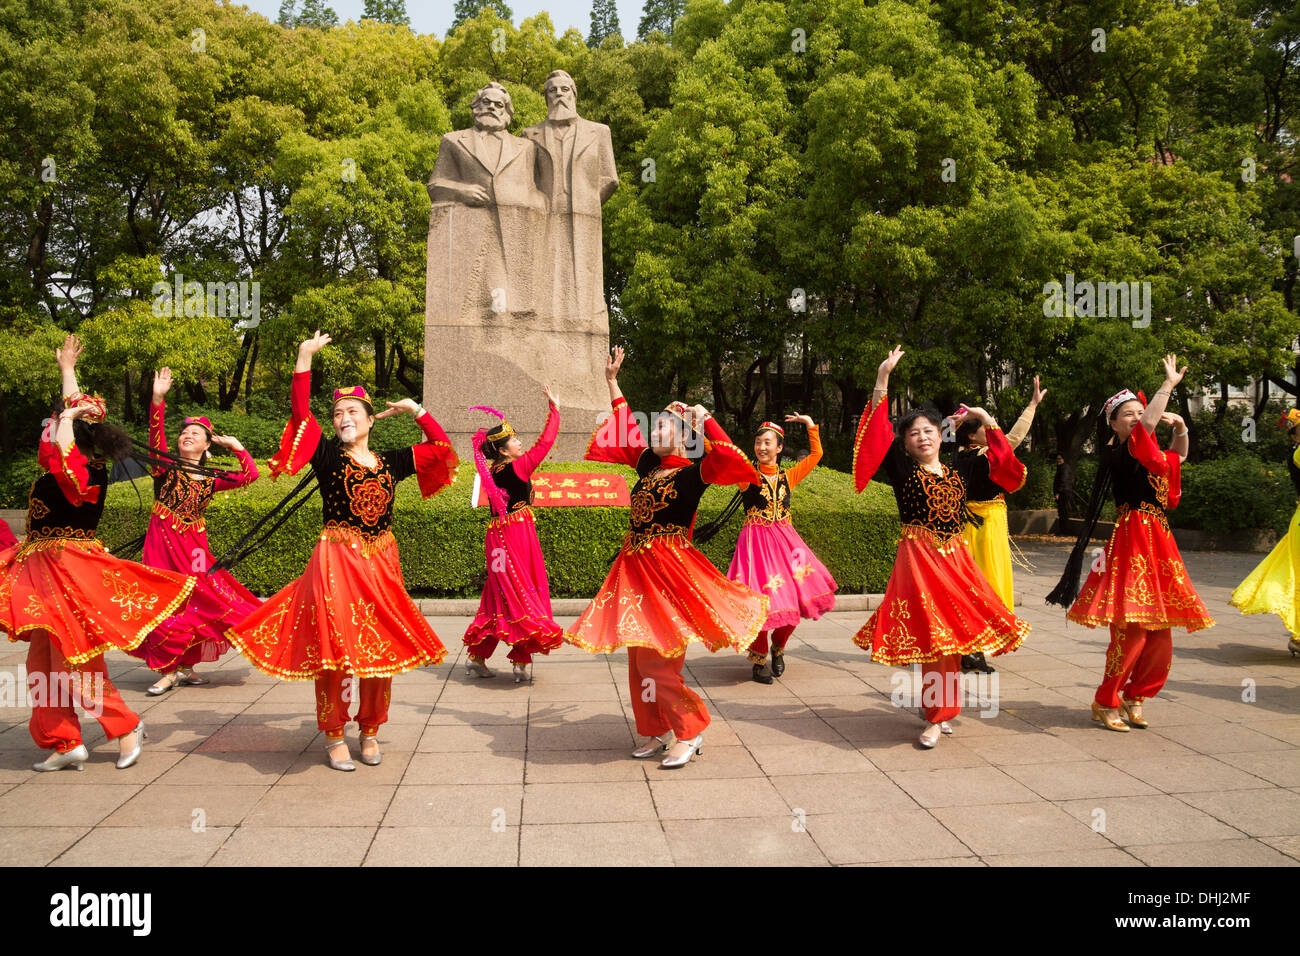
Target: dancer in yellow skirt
990,542
1270,588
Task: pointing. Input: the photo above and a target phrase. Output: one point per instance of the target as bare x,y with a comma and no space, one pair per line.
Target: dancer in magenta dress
177,540
516,602
770,556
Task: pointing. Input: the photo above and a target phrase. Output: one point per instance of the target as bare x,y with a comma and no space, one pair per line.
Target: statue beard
563,110
488,123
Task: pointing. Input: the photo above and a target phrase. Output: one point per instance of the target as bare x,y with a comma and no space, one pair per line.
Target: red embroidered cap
98,407
200,420
772,426
358,392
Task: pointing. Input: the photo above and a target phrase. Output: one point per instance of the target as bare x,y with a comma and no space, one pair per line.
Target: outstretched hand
68,353
314,344
406,406
162,383
550,396
613,362
1039,393
891,359
228,442
1173,374
805,419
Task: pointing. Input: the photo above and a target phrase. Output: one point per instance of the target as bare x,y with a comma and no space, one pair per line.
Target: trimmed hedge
441,539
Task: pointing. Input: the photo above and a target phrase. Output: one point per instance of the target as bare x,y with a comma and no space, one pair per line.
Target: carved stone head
492,108
561,96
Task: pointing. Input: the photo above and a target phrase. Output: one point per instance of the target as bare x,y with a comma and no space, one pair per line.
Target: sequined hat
1118,399
774,427
1290,420
504,430
682,411
200,420
98,408
359,393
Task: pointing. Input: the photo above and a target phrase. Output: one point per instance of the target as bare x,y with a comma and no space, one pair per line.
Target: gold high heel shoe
75,758
1108,718
692,747
1132,712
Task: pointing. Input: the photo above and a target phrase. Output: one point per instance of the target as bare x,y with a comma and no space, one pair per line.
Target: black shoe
778,662
968,662
980,664
762,674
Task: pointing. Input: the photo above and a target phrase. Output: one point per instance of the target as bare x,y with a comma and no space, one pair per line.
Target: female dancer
937,605
1270,588
990,541
61,591
1141,590
516,602
662,593
770,556
349,613
177,540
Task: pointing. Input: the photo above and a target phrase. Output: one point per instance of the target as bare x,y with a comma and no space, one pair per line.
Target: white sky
434,16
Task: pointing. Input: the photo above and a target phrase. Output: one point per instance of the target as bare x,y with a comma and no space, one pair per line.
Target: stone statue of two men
515,281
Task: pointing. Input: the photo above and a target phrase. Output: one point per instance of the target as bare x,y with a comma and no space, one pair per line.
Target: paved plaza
819,768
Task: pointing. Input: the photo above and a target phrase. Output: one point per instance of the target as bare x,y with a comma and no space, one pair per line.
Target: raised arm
302,434
1179,445
800,470
248,472
527,463
875,434
162,383
723,462
617,439
1156,407
1021,428
432,461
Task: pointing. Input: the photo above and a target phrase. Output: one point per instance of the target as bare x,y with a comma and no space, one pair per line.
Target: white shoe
128,759
945,727
654,745
685,752
521,672
930,736
478,669
75,758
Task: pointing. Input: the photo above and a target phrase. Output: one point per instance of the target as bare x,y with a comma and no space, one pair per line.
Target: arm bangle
1180,434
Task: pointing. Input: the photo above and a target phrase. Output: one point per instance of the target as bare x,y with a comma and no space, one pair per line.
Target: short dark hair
928,412
966,431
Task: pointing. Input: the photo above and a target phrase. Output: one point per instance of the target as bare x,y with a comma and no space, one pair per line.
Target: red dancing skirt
771,558
198,632
348,612
938,603
1143,580
662,593
84,597
516,602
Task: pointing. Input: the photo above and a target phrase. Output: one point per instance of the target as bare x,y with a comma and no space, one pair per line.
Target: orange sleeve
800,469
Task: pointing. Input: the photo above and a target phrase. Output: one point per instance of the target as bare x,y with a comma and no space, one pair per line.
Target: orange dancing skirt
348,612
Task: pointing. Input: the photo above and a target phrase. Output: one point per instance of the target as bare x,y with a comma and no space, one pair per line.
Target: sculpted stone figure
488,221
576,163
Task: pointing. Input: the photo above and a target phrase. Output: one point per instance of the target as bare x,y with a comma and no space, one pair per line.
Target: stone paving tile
455,768
460,805
144,846
57,802
294,846
1279,767
444,846
888,836
762,841
842,792
594,844
1134,821
37,845
1018,828
1073,780
1272,812
577,766
1215,853
962,787
321,807
612,802
184,807
1113,857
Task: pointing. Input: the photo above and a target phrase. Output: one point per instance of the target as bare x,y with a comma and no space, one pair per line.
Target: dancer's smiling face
1125,417
767,446
668,433
352,420
193,441
921,440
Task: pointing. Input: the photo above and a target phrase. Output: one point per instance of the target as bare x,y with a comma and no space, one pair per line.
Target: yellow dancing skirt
1270,588
990,546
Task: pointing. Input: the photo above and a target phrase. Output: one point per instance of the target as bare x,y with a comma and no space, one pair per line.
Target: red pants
54,723
941,688
661,701
335,690
519,653
1139,657
779,637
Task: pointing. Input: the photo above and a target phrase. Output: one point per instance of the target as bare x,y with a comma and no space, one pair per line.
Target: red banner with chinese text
556,489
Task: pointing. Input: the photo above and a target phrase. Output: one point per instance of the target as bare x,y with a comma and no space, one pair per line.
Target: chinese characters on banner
554,489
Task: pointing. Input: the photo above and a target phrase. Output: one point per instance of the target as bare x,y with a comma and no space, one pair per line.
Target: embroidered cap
98,407
773,426
200,420
681,410
359,393
1118,399
1290,420
504,430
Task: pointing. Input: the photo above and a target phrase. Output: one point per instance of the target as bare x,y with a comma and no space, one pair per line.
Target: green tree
392,12
469,9
604,22
659,16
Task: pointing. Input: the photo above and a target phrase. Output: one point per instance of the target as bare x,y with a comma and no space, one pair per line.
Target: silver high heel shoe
930,736
370,760
654,745
945,728
75,758
163,684
129,759
191,679
681,760
346,763
520,672
478,668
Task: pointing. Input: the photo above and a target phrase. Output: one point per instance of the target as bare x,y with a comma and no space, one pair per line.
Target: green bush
441,539
1239,493
17,472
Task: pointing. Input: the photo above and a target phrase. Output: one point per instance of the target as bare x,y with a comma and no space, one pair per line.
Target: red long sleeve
527,463
874,436
248,473
301,435
1164,464
1005,469
158,430
617,439
724,463
435,459
69,470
